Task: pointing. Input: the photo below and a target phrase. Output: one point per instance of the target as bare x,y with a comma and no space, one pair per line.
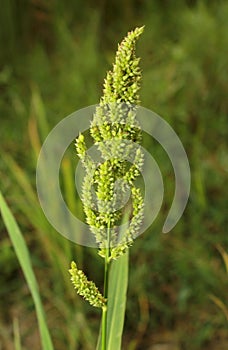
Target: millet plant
113,204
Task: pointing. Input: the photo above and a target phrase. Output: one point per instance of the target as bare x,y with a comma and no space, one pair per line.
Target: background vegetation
53,59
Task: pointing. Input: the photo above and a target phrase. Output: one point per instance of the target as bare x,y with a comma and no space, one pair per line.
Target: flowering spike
123,83
87,289
115,131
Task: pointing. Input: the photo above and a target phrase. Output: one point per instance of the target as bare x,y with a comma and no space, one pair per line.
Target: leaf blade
25,262
117,296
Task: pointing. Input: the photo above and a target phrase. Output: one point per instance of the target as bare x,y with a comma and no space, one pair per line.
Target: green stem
105,308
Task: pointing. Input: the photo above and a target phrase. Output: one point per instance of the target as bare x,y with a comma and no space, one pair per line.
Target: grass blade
224,256
17,337
117,296
118,282
25,262
98,347
38,111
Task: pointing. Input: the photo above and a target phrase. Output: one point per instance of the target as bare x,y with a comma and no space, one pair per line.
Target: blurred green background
53,58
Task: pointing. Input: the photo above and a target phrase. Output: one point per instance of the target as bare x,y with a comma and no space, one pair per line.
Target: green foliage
118,282
25,262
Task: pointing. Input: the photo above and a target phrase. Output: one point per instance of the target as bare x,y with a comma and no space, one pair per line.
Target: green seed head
87,289
115,131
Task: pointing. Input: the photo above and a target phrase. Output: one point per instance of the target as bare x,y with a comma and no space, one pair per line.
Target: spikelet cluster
87,289
115,131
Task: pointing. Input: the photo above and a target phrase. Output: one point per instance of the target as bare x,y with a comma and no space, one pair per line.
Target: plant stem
105,308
